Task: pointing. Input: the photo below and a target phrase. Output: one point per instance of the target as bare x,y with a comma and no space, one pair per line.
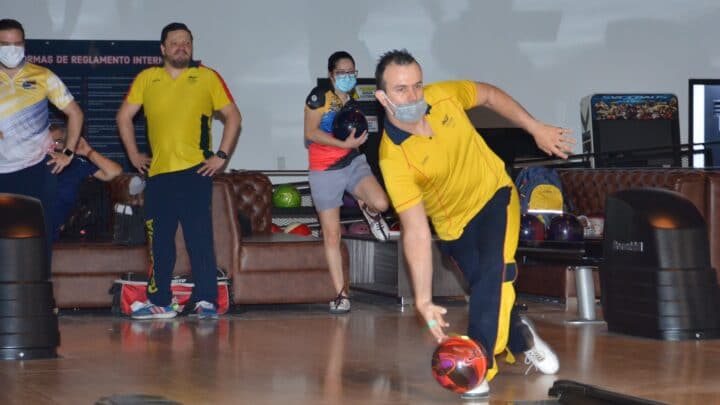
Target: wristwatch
222,155
67,152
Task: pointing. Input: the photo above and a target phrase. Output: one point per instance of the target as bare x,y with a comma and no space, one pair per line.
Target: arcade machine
631,130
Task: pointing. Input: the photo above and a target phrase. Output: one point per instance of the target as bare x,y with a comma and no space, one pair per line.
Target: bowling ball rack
583,257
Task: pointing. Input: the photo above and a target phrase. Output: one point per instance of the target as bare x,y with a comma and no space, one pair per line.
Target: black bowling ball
346,120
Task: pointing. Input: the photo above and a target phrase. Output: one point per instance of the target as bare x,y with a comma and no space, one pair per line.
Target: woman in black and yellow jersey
337,166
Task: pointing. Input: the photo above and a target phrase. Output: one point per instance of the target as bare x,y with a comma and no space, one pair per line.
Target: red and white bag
128,292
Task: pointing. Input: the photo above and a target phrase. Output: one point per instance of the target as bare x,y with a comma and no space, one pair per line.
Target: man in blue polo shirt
88,162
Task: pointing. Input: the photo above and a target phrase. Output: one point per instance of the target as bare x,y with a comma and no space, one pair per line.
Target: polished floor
300,354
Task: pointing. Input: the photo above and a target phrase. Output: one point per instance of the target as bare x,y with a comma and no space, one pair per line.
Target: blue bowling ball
565,228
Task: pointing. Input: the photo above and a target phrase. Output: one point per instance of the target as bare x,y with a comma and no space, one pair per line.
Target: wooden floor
378,354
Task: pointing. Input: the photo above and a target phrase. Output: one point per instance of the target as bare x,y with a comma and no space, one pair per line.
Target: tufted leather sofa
587,190
265,268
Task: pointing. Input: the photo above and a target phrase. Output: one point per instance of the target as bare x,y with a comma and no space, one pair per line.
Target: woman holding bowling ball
337,166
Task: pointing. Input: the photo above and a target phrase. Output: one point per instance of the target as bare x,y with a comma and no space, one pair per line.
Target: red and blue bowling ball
565,228
459,364
531,228
346,120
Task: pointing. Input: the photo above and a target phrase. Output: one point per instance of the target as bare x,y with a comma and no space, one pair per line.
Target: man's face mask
410,112
11,55
345,82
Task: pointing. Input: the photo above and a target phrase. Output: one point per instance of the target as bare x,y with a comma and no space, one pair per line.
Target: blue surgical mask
345,83
410,112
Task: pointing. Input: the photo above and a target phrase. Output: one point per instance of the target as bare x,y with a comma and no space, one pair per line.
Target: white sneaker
340,305
482,391
540,355
377,224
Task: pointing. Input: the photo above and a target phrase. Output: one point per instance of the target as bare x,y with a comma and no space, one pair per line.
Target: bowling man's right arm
314,134
124,120
417,243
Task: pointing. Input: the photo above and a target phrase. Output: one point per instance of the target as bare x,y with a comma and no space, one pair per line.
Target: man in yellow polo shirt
179,100
436,165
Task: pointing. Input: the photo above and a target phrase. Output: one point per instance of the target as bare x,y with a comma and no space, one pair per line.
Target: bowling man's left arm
550,139
231,131
417,243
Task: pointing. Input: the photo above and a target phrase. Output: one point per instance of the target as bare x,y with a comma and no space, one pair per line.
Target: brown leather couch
587,190
265,268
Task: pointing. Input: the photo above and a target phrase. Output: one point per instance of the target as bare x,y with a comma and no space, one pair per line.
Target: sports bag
130,292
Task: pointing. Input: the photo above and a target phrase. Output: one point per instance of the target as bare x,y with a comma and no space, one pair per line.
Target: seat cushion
98,258
282,252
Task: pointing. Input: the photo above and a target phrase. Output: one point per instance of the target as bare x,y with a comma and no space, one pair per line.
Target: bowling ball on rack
565,228
349,201
286,196
459,364
346,120
531,228
297,228
359,228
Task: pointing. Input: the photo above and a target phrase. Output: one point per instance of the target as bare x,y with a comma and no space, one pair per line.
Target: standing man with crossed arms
179,100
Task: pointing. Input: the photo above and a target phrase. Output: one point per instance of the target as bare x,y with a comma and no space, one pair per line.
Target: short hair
10,24
59,128
397,57
174,26
336,57
55,127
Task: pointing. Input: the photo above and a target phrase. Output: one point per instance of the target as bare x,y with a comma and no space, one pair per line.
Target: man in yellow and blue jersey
28,161
179,100
436,165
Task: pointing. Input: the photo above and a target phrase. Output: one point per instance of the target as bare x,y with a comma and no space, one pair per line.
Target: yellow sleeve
137,88
58,93
399,178
219,92
464,91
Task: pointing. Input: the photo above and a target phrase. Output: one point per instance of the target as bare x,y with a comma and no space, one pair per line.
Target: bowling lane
300,354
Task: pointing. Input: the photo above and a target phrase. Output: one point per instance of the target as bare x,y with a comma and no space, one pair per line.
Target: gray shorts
327,186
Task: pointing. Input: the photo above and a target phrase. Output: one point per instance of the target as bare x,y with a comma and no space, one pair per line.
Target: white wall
547,54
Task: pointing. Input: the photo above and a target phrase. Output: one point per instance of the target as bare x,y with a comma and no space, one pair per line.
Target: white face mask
11,55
